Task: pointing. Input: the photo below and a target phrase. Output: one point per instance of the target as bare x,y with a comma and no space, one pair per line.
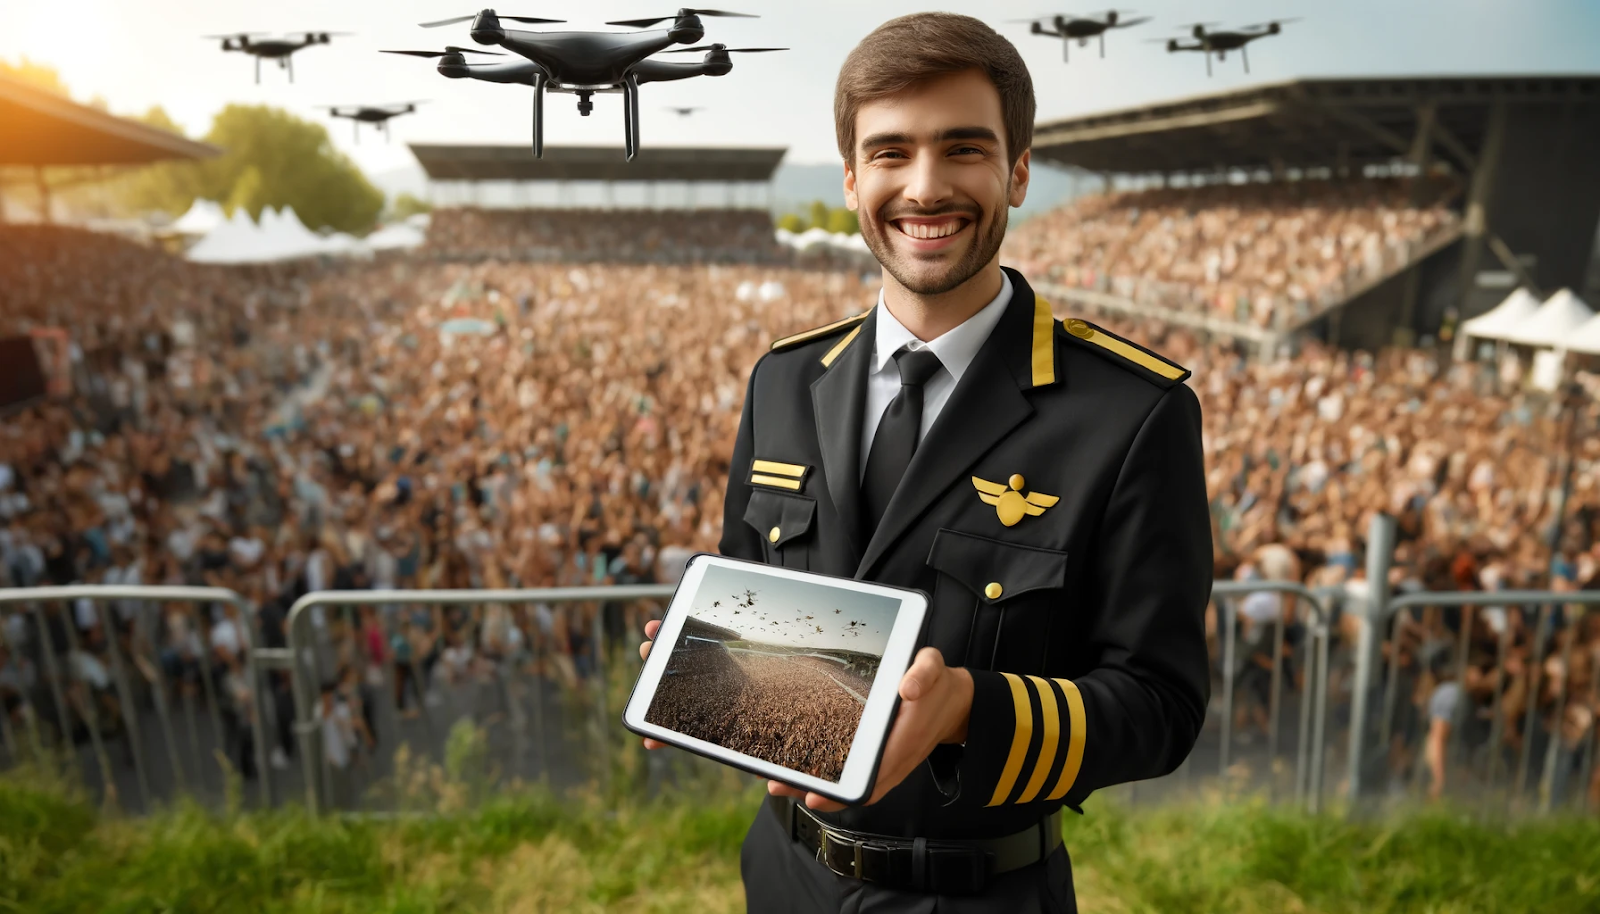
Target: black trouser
781,878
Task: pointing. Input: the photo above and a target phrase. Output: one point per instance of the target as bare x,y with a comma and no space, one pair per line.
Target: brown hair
910,49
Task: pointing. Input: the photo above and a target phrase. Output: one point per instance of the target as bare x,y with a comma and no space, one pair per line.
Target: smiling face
931,181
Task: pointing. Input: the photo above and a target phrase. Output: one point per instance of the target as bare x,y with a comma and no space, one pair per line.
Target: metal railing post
1380,556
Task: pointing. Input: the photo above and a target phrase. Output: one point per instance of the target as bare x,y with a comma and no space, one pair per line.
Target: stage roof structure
1303,123
598,163
45,129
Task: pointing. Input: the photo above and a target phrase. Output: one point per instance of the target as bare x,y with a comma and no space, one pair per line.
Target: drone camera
585,103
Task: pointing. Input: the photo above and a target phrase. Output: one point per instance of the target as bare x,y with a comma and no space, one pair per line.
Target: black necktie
896,438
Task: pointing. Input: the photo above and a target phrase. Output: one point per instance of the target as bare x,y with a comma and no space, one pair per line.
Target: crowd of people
638,236
505,419
1256,254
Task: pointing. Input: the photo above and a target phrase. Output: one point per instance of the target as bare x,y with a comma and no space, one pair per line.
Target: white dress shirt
955,348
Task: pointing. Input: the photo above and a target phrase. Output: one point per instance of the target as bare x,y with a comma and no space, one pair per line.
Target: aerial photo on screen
774,668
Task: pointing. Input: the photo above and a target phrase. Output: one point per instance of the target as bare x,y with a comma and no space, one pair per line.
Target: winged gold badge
1009,502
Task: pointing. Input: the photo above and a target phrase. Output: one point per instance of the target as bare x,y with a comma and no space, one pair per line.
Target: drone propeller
1130,22
1268,25
532,20
718,47
236,35
646,23
448,49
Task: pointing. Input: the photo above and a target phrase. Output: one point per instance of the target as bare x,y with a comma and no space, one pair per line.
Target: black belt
943,867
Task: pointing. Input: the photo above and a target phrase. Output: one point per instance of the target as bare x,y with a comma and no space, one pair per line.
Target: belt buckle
828,843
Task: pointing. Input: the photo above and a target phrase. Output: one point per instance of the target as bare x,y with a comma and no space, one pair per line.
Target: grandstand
1505,194
45,130
679,177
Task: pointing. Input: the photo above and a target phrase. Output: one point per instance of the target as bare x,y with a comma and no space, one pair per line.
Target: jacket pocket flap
980,563
777,517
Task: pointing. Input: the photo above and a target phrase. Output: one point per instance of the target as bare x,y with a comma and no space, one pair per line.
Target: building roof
43,128
1300,123
597,163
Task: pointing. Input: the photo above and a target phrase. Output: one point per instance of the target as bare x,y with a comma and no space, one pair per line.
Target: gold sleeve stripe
839,347
781,469
1075,738
1044,343
1019,739
1047,747
778,481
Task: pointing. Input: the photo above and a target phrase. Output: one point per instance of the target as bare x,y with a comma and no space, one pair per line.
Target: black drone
1068,27
279,49
379,115
585,63
1220,43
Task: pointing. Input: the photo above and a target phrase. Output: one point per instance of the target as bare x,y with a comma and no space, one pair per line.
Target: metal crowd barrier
1309,759
1381,627
307,667
302,657
128,705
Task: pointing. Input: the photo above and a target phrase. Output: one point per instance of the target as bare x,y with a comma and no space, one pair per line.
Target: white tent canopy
280,235
1553,324
1499,320
397,235
202,217
1586,338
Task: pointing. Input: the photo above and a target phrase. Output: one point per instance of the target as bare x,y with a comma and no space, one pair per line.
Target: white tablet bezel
861,763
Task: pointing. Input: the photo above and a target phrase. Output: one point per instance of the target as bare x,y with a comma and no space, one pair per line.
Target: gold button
992,591
773,536
1016,481
1079,329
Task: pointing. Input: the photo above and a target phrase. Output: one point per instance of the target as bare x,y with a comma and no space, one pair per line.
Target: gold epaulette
816,333
1157,369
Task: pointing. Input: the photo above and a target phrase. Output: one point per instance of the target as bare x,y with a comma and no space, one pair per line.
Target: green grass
518,850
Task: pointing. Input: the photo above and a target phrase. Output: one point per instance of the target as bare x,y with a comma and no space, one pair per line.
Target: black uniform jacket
1055,511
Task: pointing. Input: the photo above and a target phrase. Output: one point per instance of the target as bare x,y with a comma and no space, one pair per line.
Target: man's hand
650,629
935,702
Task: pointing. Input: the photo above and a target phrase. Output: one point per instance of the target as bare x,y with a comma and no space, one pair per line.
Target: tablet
790,675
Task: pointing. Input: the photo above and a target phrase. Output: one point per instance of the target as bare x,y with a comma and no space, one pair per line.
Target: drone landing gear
1244,54
288,64
538,115
258,71
630,114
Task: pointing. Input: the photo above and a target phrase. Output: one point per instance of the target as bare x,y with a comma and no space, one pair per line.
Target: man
1042,481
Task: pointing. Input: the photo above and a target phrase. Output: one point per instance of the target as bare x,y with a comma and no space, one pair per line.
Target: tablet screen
780,666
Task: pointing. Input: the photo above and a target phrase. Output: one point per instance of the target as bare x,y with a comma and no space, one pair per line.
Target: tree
297,167
843,221
819,215
38,75
791,222
405,205
170,187
248,192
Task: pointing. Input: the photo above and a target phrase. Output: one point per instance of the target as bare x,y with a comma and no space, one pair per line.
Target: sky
788,602
137,53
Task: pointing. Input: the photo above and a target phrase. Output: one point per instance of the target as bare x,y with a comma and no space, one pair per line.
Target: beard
911,271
